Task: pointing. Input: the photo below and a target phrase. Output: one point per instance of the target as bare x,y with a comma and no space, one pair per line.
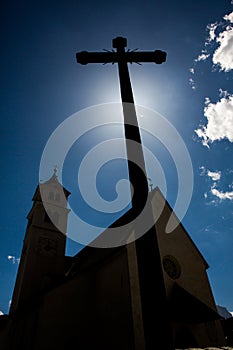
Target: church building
94,300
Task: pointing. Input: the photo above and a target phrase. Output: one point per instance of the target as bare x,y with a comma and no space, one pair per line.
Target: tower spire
55,169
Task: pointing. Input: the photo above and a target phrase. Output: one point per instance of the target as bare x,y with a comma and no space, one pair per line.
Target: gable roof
157,192
97,254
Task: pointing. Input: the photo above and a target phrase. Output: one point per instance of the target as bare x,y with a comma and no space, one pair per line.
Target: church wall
113,303
193,276
66,315
203,334
92,310
38,263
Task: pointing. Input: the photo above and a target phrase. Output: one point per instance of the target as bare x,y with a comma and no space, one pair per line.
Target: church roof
157,191
104,239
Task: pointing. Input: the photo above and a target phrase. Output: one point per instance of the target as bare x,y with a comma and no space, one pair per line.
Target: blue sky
42,85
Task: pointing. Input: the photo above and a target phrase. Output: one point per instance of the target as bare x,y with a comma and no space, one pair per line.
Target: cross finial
55,170
150,184
119,42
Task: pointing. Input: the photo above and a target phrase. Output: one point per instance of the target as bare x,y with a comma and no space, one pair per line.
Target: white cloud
192,83
13,259
223,93
219,121
215,175
202,57
1,313
191,70
229,17
212,27
223,55
222,195
203,170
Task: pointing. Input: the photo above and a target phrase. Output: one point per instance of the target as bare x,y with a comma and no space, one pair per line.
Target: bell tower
43,254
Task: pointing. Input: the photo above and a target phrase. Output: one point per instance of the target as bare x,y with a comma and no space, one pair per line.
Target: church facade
95,299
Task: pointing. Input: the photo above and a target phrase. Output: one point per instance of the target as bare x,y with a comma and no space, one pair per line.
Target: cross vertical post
137,175
155,316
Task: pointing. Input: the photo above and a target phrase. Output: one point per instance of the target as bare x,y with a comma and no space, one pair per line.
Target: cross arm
156,56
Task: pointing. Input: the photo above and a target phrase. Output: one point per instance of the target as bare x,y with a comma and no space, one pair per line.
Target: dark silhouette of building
93,300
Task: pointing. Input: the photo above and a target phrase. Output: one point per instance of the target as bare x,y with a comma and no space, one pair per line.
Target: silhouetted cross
122,58
152,289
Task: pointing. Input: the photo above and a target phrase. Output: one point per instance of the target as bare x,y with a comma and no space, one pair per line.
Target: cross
55,169
153,295
137,176
150,184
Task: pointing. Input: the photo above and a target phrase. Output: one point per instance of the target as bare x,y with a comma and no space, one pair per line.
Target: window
172,266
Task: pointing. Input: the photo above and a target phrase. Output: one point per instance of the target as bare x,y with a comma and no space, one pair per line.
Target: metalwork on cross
130,56
150,274
122,57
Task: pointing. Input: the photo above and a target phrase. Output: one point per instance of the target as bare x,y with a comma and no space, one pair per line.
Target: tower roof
53,181
54,177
